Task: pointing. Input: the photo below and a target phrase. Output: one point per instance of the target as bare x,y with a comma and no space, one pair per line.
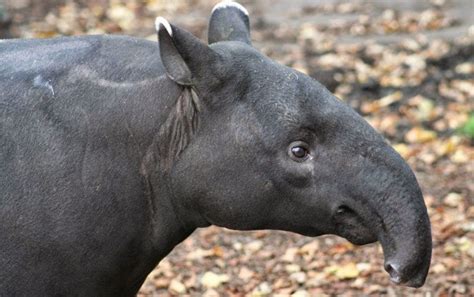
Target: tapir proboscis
115,149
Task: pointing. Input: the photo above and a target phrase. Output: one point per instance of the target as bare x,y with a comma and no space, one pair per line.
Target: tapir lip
363,226
415,283
350,225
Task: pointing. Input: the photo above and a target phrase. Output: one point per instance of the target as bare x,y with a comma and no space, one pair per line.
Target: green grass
468,128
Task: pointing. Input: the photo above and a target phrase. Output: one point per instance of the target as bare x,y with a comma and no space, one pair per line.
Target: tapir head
253,144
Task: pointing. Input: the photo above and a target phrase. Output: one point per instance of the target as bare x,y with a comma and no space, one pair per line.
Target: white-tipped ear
187,59
229,22
161,21
228,3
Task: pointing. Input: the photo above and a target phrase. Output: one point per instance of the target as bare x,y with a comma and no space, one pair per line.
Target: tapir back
76,117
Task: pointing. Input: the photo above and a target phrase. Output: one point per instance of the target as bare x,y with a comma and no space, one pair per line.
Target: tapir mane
180,126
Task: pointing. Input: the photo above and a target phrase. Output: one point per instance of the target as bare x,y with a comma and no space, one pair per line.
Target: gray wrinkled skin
114,149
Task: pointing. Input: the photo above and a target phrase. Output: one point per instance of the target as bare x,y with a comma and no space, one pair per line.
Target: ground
406,66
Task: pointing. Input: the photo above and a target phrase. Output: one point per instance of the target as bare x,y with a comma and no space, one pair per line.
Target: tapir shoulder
65,83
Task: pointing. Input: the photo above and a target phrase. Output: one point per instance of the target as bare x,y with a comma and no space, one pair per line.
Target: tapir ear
229,22
185,57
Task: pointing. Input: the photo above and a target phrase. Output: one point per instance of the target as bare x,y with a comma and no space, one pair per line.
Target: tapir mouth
407,252
350,225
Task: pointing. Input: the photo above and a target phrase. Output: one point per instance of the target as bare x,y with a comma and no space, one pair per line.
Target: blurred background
406,66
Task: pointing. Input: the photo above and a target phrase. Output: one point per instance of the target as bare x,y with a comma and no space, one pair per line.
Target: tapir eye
299,151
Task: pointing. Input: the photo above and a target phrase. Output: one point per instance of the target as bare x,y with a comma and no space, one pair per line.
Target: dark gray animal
114,149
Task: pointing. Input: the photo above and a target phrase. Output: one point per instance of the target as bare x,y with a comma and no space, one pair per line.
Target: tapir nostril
394,273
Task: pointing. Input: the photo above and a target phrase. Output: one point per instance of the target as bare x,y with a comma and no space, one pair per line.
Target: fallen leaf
211,293
346,271
263,289
292,268
177,287
213,280
453,200
254,246
300,293
420,135
299,277
245,274
289,255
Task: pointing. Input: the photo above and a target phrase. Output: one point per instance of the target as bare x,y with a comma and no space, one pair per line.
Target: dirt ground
406,66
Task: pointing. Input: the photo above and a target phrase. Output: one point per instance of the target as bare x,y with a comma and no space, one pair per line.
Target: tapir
115,149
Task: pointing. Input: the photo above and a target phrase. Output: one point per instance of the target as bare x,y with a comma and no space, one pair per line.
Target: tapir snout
404,230
381,201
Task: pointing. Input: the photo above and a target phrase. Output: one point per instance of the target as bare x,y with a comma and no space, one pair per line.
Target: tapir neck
145,223
166,225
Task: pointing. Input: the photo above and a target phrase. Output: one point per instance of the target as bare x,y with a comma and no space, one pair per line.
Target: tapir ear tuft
228,3
161,21
186,59
229,22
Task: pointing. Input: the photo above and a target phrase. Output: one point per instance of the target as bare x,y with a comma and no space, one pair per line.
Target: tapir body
114,149
77,197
